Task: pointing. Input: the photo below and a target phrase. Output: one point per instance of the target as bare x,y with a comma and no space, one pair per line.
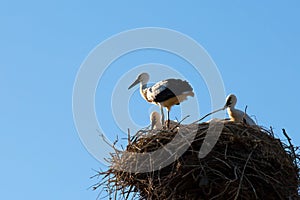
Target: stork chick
235,114
155,121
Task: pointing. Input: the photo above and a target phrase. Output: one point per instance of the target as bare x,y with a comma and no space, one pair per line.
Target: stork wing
167,89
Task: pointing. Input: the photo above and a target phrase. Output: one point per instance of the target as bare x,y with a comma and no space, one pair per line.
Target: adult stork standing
235,114
164,93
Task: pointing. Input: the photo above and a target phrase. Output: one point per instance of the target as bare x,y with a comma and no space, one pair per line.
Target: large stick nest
245,163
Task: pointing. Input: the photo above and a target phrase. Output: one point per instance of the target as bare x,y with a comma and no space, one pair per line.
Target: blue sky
256,47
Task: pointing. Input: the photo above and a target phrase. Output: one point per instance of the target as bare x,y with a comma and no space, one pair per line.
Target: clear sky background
256,46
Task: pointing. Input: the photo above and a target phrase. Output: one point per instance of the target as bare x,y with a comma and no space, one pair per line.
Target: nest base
245,163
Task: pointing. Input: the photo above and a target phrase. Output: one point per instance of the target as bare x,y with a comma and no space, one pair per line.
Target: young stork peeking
164,93
235,114
155,121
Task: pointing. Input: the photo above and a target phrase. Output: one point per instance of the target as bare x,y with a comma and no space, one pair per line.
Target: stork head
142,78
230,101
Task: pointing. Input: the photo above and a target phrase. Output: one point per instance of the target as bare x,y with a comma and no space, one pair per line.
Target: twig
129,141
180,122
241,180
208,115
245,114
291,147
271,131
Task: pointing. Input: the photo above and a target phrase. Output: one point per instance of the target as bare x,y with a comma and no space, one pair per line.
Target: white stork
155,121
164,93
235,114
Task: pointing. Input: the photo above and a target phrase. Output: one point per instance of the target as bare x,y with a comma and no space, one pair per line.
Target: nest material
245,163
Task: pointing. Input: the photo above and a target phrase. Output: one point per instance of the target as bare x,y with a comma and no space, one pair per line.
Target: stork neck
143,91
143,86
231,108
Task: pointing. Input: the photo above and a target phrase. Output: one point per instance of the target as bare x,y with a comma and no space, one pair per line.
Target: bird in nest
165,93
235,114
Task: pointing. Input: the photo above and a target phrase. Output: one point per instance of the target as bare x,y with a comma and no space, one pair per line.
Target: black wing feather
173,88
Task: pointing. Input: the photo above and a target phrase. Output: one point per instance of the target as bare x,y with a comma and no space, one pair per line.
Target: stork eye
229,101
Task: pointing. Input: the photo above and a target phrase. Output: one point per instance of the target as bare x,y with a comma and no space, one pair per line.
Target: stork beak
134,83
226,105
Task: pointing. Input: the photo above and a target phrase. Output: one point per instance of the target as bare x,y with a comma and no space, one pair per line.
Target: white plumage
235,114
155,121
164,93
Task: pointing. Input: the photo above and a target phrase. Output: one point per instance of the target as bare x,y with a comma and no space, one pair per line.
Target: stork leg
168,122
162,115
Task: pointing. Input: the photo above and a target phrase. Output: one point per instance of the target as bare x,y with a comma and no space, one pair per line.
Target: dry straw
246,163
